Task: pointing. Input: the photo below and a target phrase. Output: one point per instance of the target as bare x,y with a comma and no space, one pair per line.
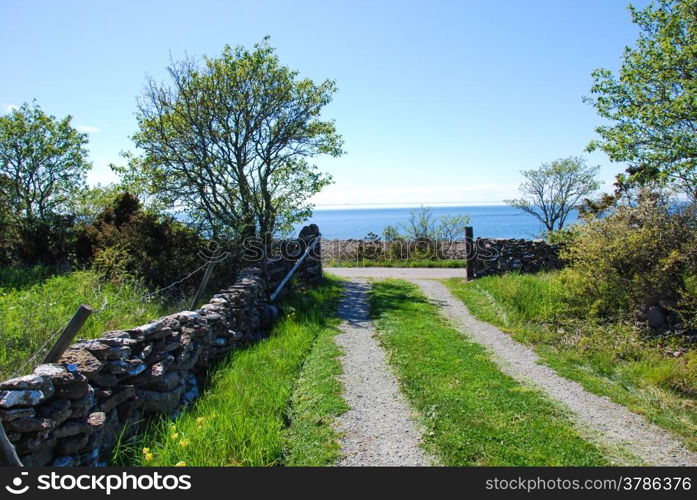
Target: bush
126,241
636,259
18,278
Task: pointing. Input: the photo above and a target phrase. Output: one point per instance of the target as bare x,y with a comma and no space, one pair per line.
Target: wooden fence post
204,281
471,252
68,334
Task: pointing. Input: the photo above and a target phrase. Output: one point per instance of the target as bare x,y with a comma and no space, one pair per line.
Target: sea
494,221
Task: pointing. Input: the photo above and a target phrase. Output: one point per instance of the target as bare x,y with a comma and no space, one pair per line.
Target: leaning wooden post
8,454
68,334
471,252
204,281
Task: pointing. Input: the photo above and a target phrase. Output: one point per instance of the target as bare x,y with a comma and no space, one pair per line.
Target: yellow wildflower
200,420
184,443
180,464
148,457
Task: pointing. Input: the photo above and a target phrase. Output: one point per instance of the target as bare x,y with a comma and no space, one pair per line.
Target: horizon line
443,204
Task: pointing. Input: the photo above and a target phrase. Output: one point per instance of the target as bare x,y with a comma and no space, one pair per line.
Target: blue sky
438,101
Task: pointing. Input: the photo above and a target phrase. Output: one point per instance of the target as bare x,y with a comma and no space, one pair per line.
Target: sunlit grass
472,413
31,314
245,417
610,359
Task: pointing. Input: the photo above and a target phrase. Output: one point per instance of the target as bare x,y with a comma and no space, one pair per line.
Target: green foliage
562,237
228,141
42,162
473,413
50,241
241,419
311,438
652,103
424,226
18,278
126,241
633,259
553,190
31,315
609,358
423,238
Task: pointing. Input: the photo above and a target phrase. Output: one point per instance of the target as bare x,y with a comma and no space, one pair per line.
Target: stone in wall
499,255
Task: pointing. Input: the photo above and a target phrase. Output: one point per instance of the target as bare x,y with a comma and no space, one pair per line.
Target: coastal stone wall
72,412
285,253
500,255
491,255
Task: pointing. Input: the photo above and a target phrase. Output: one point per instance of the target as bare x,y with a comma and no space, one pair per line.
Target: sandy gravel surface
378,430
615,424
397,272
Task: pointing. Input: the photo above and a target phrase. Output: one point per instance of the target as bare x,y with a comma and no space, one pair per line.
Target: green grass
31,314
612,360
17,278
472,413
245,418
450,263
311,440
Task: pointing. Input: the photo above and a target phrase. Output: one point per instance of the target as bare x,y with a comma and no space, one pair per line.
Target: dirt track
597,418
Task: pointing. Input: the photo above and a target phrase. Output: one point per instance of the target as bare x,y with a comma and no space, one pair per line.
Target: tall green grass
472,412
243,418
17,278
611,359
31,315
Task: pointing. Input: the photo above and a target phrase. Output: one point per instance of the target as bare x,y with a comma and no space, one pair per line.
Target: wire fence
32,359
212,260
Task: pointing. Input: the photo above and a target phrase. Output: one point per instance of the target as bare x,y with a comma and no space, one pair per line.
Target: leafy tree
228,140
391,233
42,161
554,189
651,105
423,225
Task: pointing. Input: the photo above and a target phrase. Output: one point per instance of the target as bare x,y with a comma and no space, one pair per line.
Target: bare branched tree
552,191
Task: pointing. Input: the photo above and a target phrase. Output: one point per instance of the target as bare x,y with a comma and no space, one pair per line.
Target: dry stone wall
491,255
285,253
72,412
500,255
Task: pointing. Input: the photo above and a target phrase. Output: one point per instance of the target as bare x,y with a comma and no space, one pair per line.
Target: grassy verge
450,263
32,313
311,440
473,414
613,360
243,418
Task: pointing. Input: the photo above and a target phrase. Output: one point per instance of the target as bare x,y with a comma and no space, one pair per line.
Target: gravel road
615,423
378,430
435,273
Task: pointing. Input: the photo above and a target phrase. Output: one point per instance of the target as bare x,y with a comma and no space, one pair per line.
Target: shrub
635,259
128,241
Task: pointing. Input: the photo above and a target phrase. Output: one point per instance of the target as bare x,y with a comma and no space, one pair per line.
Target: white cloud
87,129
11,107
